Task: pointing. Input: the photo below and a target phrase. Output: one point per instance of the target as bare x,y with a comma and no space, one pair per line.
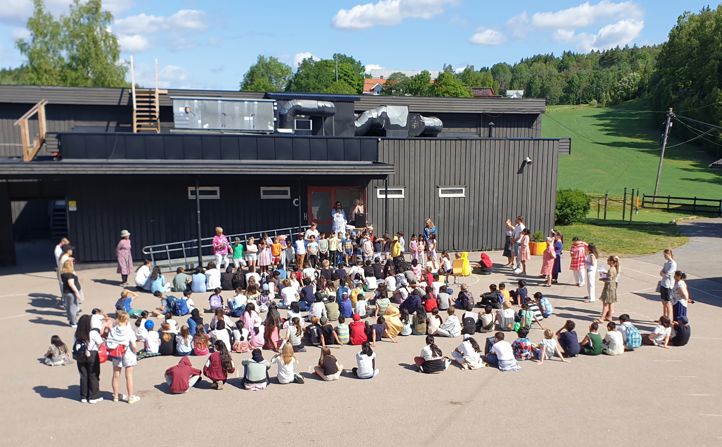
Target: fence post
606,202
694,205
624,204
599,206
631,206
668,197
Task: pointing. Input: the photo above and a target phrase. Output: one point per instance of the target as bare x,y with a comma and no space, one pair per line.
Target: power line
699,132
698,121
584,137
691,139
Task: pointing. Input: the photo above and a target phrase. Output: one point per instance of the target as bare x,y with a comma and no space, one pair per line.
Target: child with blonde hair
548,348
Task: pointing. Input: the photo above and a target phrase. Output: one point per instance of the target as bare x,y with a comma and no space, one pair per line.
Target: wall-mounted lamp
527,161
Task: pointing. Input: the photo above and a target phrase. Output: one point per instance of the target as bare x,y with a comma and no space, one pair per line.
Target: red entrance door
321,200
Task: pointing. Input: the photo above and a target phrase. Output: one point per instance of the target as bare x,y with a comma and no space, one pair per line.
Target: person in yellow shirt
505,293
395,248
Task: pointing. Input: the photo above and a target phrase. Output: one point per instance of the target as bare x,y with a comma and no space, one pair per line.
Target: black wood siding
487,168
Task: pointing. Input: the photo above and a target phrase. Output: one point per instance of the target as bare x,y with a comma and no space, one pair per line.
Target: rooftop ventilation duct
424,126
294,107
383,118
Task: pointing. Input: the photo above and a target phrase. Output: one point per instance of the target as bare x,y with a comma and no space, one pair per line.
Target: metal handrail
187,249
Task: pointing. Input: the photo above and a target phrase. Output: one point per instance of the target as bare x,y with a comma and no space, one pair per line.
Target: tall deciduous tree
268,74
77,49
342,74
446,84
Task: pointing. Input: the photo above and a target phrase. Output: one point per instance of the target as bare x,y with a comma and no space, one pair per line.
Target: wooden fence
693,204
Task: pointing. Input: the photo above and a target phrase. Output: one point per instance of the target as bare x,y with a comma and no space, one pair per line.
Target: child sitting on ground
630,334
215,301
125,303
592,343
522,345
548,347
201,342
240,338
57,354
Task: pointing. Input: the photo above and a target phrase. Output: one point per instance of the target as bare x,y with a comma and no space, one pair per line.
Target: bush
538,236
572,206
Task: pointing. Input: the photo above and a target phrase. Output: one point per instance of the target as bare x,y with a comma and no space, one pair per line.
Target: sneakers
219,385
133,399
517,271
83,401
95,401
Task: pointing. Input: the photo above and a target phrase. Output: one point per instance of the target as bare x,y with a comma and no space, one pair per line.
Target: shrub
538,236
572,206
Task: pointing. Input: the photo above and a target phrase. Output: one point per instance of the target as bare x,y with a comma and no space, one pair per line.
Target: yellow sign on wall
72,205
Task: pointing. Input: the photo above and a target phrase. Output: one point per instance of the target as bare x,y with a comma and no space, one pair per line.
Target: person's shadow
72,392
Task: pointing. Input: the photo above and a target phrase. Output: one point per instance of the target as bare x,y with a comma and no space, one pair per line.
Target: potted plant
538,243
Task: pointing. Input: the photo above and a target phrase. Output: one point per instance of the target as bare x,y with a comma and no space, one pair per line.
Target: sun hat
124,233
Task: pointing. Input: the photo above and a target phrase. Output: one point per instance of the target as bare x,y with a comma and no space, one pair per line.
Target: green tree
396,84
268,74
502,75
72,50
446,84
342,74
419,84
476,79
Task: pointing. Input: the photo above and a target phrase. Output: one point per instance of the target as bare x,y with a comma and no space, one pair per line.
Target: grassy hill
614,147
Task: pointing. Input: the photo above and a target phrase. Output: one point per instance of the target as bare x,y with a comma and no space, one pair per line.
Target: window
452,191
204,192
391,193
275,192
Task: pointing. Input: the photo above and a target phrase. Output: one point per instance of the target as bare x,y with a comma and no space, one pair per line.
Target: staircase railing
31,150
170,254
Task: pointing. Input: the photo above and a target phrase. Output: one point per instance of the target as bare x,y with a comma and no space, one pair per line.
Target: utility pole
336,62
661,156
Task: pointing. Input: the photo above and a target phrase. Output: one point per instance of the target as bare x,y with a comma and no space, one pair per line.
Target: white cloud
616,34
518,25
564,35
18,11
133,43
487,36
373,67
300,57
168,76
587,14
387,13
185,19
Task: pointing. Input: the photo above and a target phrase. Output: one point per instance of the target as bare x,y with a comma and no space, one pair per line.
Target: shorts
276,259
665,293
128,360
251,257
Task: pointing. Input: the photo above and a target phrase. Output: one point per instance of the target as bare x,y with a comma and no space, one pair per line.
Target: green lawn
614,147
623,238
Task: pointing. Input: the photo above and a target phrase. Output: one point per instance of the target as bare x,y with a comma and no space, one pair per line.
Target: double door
321,200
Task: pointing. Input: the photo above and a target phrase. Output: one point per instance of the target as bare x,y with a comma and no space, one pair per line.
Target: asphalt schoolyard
646,397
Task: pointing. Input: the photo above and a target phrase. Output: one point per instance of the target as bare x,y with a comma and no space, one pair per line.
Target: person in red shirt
430,301
182,377
219,365
357,331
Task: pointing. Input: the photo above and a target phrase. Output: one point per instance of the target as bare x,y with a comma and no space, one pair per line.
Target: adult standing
66,254
338,219
680,296
609,292
666,284
509,232
516,240
590,263
558,248
577,253
58,251
358,209
122,340
221,246
72,296
124,256
87,359
548,262
429,229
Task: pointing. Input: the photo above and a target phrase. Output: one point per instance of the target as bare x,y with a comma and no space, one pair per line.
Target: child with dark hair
522,345
568,340
431,360
661,334
255,371
219,365
58,353
592,343
366,361
468,354
520,294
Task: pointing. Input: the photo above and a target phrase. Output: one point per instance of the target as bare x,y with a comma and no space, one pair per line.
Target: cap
356,317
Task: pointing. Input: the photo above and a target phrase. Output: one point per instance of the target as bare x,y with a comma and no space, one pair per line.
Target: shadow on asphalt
72,392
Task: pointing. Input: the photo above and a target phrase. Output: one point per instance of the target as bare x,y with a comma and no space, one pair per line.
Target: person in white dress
590,263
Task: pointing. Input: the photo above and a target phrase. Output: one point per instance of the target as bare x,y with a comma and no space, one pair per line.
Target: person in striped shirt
342,331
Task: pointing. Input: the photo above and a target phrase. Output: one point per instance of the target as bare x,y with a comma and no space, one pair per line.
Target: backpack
468,326
170,303
215,301
180,307
80,349
464,301
634,338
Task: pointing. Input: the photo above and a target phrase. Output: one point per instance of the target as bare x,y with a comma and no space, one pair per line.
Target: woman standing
558,248
508,243
87,360
358,208
524,252
429,229
577,253
122,340
667,282
590,262
609,292
72,297
548,262
338,219
680,296
125,258
221,246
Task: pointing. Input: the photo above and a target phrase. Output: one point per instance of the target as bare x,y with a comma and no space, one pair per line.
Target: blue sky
210,44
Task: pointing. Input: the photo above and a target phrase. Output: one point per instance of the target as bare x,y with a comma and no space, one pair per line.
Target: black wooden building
467,176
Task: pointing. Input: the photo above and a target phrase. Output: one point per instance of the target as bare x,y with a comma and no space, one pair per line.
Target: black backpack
468,326
80,349
464,301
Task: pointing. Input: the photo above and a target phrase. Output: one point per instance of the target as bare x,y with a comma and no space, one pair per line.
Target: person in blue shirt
194,321
198,281
429,229
345,305
125,303
411,303
307,295
568,340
